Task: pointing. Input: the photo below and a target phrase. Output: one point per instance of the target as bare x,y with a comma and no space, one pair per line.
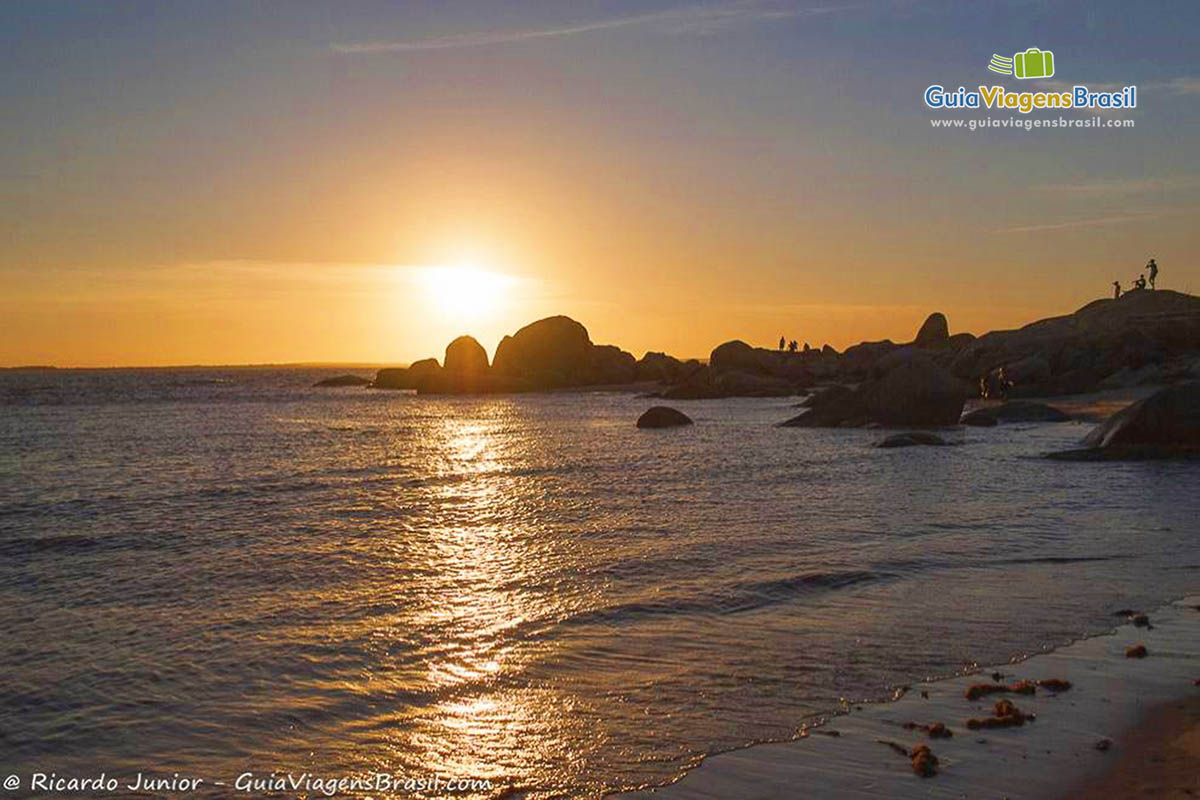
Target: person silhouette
1140,283
782,343
1152,268
1116,290
792,346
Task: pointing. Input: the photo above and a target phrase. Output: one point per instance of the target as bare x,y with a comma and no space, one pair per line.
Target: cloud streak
690,19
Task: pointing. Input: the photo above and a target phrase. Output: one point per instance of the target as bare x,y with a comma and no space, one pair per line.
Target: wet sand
1159,758
1146,709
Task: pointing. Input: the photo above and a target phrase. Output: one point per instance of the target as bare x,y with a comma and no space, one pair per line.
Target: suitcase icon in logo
1034,63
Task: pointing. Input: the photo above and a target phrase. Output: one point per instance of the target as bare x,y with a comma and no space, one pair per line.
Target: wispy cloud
700,19
1082,223
1119,187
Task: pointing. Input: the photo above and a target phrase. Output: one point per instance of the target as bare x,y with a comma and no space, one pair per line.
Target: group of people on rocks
1140,282
791,346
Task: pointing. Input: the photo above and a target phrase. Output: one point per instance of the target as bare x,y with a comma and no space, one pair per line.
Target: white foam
1109,696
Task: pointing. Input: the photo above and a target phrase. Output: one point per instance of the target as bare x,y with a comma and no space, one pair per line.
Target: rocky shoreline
1144,337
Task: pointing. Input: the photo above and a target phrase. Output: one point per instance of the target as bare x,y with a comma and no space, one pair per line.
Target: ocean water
220,572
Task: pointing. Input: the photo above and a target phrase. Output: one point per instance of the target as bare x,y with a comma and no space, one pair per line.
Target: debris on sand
1007,715
924,762
1054,684
1136,651
934,730
978,690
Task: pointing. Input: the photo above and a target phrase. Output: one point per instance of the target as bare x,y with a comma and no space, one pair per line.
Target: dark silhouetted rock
344,380
1014,411
696,383
835,407
913,439
663,417
914,392
934,333
735,383
658,367
406,377
737,356
611,365
465,356
555,351
1164,425
858,360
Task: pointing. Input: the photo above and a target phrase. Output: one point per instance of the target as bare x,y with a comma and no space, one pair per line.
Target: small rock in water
1141,621
913,439
925,694
1136,651
1054,684
1103,744
663,417
997,676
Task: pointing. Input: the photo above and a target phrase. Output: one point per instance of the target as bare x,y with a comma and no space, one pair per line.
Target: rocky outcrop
737,356
934,332
914,391
555,351
1015,411
406,377
1164,425
611,365
663,417
465,356
658,367
1076,352
343,380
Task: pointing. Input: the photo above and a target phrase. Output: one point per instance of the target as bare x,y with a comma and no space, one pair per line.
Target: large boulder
553,351
658,367
406,377
934,332
914,392
1014,411
835,407
465,356
1164,425
663,417
859,359
610,364
738,356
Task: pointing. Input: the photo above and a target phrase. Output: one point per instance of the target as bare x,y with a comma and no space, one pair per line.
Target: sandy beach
1126,728
1160,758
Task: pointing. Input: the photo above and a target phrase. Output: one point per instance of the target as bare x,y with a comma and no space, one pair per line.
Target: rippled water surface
217,572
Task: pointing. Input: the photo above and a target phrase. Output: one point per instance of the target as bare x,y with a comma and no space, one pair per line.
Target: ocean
222,572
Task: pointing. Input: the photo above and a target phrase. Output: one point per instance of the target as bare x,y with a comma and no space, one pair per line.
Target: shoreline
1143,707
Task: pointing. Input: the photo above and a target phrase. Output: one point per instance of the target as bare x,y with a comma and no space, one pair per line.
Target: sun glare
465,293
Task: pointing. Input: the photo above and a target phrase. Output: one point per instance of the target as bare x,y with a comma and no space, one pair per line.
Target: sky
269,182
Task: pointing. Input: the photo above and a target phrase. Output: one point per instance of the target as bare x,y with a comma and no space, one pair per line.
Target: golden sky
216,190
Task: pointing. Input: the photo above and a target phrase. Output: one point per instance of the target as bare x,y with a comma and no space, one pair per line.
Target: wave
738,598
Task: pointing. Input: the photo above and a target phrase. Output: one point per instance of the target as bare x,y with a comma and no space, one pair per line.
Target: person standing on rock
1152,268
1116,290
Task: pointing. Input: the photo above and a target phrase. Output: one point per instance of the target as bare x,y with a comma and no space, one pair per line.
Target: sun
464,292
